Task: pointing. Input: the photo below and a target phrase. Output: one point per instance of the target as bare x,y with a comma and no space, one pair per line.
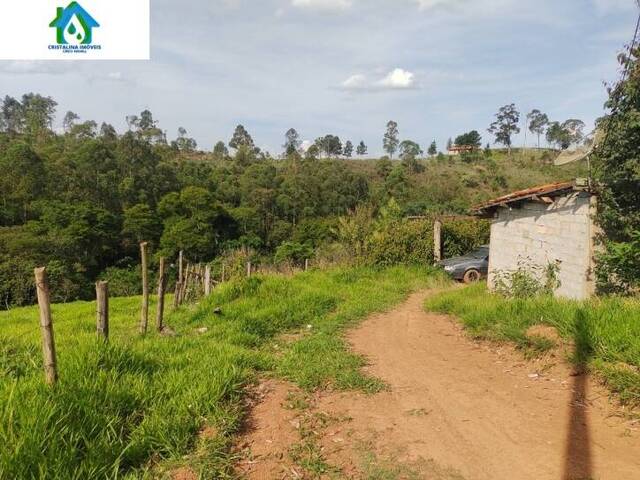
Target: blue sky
346,67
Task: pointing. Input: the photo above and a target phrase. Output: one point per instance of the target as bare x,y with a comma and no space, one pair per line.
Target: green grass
605,332
121,409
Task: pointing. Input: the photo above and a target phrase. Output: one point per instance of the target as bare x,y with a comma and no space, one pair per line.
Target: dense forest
80,201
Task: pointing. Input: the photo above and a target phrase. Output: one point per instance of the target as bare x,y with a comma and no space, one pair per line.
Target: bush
123,282
235,262
402,242
391,239
527,280
295,253
462,236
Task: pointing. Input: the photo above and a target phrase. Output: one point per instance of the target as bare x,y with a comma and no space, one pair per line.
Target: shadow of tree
578,462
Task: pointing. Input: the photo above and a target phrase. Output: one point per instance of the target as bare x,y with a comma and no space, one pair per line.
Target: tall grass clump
127,408
605,332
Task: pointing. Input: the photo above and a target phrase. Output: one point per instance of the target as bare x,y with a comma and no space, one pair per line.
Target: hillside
453,184
81,203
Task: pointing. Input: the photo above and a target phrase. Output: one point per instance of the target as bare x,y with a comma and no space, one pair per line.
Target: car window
483,253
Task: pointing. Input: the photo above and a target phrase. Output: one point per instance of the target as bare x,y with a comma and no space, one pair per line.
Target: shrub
406,242
527,280
293,252
392,239
235,262
463,236
123,282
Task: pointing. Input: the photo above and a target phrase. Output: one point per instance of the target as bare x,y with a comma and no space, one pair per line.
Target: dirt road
454,409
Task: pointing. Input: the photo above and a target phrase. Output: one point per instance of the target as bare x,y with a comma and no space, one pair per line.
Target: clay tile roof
549,190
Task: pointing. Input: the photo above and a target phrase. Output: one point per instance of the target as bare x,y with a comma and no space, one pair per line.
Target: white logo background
123,33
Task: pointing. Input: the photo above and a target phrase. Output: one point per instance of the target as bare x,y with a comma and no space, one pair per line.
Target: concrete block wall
540,234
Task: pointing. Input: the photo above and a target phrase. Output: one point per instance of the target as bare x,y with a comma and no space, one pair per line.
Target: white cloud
355,82
326,5
398,79
431,4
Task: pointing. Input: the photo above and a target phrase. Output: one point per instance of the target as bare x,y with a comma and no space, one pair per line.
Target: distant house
549,224
74,25
460,149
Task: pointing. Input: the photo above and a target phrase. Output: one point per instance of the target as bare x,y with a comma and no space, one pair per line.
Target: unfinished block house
547,225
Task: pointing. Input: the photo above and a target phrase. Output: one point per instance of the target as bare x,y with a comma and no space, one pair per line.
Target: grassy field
134,407
605,332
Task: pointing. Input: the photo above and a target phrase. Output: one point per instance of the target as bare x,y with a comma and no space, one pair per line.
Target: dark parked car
468,268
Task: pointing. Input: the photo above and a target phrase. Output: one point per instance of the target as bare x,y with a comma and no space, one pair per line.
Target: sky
346,67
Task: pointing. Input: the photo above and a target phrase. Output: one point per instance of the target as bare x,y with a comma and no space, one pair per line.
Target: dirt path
455,409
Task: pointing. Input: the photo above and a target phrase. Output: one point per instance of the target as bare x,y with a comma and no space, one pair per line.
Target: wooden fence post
102,309
180,260
306,264
176,295
46,326
248,269
161,287
207,280
437,241
144,316
185,283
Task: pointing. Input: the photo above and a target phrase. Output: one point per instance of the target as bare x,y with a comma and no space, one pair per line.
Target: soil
455,409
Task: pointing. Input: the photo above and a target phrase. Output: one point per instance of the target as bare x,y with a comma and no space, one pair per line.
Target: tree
13,115
617,171
330,145
84,130
391,142
537,123
140,223
563,135
449,144
241,138
410,148
469,139
348,149
557,136
194,222
433,149
506,125
69,120
292,142
220,151
107,132
575,130
313,152
38,114
362,148
146,121
409,152
146,127
184,143
22,180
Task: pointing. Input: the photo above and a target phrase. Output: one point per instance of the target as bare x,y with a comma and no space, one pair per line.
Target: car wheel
472,276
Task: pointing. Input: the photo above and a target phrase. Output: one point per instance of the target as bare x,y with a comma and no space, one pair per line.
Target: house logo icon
74,25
